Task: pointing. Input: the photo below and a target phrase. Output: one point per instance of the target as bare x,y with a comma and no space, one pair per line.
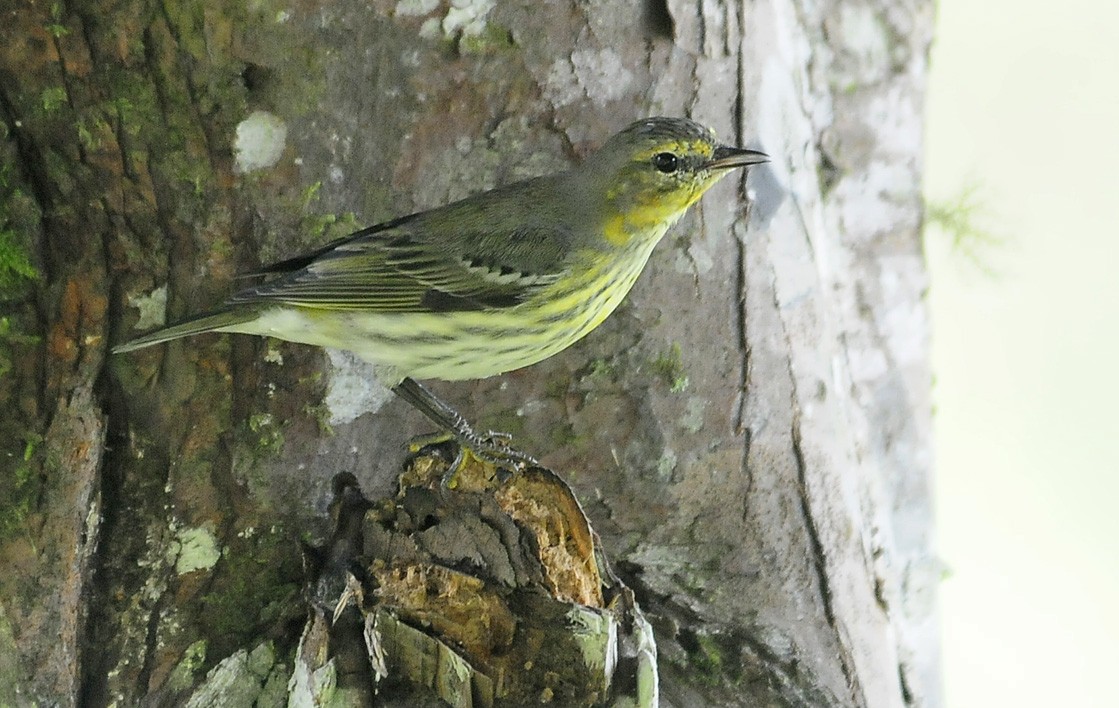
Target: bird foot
491,447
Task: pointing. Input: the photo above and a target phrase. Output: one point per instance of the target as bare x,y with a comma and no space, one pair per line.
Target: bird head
653,170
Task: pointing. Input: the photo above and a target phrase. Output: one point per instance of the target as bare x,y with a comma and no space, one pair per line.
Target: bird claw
492,448
495,437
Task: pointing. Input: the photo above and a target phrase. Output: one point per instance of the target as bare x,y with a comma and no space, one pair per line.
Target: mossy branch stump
487,593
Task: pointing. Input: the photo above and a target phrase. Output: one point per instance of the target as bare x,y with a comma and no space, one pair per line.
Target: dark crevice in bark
32,174
67,85
701,34
743,342
740,262
740,106
903,680
658,19
805,231
741,309
151,645
151,67
818,559
786,677
769,677
187,75
99,658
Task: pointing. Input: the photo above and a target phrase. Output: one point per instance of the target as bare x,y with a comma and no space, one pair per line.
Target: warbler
491,283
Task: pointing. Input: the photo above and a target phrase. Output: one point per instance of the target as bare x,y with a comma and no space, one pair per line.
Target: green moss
309,196
669,367
16,268
601,369
310,229
712,659
19,225
94,131
256,585
708,658
161,108
313,379
564,434
557,388
19,490
19,221
322,228
11,337
53,98
221,248
55,28
267,435
504,421
493,39
191,25
320,413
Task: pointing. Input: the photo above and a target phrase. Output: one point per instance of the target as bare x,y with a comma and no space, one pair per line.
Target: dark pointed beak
726,158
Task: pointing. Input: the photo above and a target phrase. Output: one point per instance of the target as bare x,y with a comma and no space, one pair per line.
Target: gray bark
749,434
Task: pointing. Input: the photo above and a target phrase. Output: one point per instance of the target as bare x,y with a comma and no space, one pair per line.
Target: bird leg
492,447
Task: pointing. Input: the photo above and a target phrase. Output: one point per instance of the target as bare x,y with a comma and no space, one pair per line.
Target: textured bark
749,434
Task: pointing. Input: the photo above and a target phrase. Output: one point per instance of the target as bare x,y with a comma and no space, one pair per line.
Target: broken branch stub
486,594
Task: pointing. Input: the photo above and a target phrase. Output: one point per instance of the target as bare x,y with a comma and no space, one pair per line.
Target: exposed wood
485,594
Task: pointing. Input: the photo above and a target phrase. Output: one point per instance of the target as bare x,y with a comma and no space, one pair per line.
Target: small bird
494,282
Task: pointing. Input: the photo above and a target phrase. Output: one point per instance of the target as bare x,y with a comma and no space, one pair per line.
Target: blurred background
1022,153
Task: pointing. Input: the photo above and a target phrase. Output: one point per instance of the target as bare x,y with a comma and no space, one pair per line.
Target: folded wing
399,268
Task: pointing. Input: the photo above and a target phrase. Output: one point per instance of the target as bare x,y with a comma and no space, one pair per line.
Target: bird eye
666,162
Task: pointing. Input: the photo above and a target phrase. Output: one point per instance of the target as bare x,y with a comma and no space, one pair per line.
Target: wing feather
399,268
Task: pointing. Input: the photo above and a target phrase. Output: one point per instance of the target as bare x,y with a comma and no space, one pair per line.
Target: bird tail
207,322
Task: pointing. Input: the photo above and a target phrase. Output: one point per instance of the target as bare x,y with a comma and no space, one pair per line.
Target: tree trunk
748,434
